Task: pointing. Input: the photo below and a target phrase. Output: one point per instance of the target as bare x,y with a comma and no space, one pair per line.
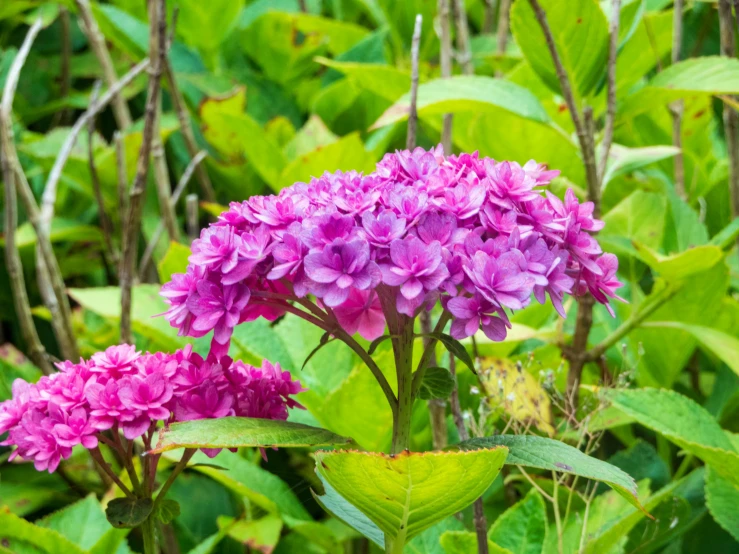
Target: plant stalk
403,348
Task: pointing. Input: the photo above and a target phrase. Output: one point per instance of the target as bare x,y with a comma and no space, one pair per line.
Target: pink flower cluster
476,234
124,390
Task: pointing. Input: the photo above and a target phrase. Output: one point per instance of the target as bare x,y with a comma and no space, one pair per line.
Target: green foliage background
276,95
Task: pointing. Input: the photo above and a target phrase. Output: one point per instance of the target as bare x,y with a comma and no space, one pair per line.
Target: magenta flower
204,402
116,360
148,395
251,248
416,268
502,281
76,429
383,228
107,407
472,313
510,184
339,267
11,411
604,284
362,312
217,308
216,248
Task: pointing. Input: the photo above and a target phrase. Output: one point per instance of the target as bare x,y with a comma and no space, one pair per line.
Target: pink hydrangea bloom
423,227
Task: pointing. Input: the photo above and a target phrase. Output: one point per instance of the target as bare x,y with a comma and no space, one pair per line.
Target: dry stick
410,141
502,33
583,127
159,161
446,69
731,118
97,43
464,55
192,216
181,185
611,88
122,178
36,350
105,224
158,27
478,508
180,108
64,67
489,17
676,108
51,283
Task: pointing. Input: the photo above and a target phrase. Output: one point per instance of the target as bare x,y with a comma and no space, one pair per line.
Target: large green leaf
522,529
465,542
554,455
84,523
247,479
206,25
580,33
680,266
704,75
722,499
341,508
467,93
405,494
623,160
234,432
723,345
146,304
19,535
384,80
683,422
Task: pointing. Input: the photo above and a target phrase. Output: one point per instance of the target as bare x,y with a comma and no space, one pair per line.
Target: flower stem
148,530
404,368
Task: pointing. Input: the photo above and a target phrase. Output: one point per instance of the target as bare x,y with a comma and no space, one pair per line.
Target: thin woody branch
676,108
464,54
97,44
730,116
410,141
611,88
127,271
501,38
36,351
445,58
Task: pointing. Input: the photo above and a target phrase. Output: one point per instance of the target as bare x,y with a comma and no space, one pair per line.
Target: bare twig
158,27
181,185
464,54
192,216
588,155
731,118
206,188
122,177
49,196
97,43
676,108
446,68
161,180
105,223
611,84
410,141
65,77
489,17
480,521
503,24
36,351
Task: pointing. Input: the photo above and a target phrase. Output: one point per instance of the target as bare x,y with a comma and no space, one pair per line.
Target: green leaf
260,535
580,34
437,382
683,265
259,486
554,455
722,499
409,492
429,542
206,25
145,305
458,350
14,365
465,542
623,160
467,93
167,510
723,345
522,529
174,261
235,432
84,523
386,81
125,513
19,535
683,422
707,75
341,508
345,154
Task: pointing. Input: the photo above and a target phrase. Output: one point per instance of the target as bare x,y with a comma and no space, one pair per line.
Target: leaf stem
102,464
